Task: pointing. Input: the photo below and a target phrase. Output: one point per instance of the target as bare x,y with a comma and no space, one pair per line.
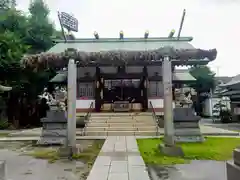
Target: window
155,89
86,89
121,82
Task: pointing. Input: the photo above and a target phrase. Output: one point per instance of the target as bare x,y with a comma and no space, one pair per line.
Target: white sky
212,23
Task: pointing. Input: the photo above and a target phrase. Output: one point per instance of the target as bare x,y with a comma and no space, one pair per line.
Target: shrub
4,124
225,116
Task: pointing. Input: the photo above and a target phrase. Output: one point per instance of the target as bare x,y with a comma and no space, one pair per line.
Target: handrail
87,117
154,117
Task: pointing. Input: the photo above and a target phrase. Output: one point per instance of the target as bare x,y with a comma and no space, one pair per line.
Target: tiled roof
183,75
229,93
60,77
223,79
178,75
235,80
130,44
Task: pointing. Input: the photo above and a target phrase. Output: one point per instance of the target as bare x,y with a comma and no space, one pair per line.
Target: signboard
69,22
121,106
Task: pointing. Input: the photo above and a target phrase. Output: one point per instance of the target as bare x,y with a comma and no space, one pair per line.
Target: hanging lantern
98,84
145,84
121,35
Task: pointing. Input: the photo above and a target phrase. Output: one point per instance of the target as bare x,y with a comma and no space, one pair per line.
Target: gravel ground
23,167
196,170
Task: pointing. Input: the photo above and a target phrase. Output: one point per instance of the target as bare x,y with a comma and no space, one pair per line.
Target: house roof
234,81
222,79
230,93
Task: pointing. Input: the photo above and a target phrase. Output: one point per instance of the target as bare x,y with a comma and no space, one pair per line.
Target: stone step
120,133
150,128
122,120
118,124
187,131
236,156
121,114
233,171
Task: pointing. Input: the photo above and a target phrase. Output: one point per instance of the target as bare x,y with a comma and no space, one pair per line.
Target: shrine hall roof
116,44
127,51
181,75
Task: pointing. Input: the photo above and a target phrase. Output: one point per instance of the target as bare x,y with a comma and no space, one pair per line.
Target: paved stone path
119,159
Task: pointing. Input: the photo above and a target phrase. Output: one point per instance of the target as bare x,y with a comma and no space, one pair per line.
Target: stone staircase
121,124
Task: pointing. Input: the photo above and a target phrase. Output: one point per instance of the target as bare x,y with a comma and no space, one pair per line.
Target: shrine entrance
121,92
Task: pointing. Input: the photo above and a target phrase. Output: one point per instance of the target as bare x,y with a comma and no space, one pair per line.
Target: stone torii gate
169,55
168,108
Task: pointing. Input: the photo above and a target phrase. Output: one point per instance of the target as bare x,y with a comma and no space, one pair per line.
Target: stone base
189,138
236,156
171,150
233,171
67,152
52,141
3,170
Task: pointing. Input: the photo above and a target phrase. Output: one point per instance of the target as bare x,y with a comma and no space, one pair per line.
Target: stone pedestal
3,170
233,167
186,125
171,150
54,131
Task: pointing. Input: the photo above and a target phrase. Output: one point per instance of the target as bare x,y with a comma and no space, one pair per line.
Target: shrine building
136,81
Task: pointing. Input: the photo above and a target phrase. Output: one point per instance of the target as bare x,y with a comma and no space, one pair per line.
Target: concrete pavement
119,159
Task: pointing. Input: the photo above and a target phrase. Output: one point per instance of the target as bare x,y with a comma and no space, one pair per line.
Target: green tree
19,35
14,21
204,78
40,30
205,82
7,4
11,51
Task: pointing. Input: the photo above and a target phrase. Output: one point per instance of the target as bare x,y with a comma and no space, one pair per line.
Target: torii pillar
168,147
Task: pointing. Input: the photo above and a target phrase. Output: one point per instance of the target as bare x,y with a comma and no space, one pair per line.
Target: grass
213,148
4,134
87,156
50,154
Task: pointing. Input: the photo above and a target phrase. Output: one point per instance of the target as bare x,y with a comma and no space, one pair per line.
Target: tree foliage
205,81
19,35
7,4
40,30
204,78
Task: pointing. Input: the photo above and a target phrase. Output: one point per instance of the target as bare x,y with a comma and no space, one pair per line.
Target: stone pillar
168,107
233,167
168,147
145,88
72,87
97,90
